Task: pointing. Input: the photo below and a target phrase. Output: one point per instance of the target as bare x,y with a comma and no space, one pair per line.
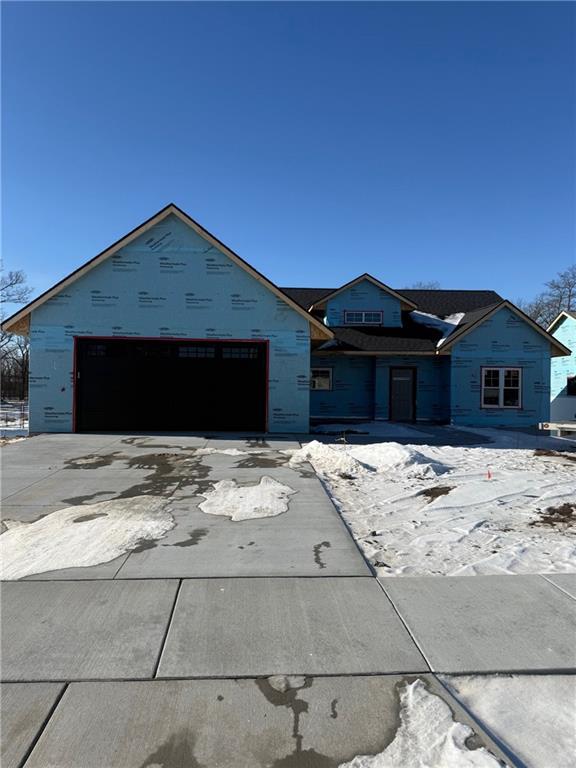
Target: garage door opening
139,385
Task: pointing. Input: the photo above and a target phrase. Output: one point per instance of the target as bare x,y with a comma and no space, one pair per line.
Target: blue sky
415,141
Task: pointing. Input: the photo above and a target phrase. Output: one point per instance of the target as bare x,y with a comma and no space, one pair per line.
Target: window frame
571,386
330,376
501,387
364,312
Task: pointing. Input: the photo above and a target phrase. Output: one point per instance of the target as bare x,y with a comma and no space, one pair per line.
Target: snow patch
445,325
77,537
428,737
224,451
484,525
534,715
266,499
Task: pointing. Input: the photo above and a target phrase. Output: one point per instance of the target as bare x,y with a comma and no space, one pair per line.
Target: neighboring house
169,329
563,381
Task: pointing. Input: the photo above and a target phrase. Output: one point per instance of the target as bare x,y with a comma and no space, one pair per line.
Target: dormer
364,301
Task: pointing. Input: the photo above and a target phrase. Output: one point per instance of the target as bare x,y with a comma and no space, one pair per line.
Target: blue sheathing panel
361,387
352,394
562,407
432,386
503,340
364,296
169,282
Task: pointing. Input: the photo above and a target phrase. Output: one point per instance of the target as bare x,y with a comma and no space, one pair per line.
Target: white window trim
316,368
363,312
501,387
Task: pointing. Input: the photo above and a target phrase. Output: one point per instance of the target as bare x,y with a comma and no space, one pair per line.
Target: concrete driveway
260,642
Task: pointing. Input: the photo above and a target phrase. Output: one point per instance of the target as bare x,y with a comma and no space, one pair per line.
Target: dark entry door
402,394
179,386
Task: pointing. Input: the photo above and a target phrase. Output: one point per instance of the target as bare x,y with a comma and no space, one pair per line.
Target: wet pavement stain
318,553
196,537
257,442
176,752
92,461
166,471
299,758
86,518
79,500
143,545
261,461
143,442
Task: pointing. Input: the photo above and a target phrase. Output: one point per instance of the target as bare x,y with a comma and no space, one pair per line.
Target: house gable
502,339
472,320
363,295
19,321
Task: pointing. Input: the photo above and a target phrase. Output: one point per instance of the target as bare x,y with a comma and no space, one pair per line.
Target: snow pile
445,325
387,457
534,715
77,537
326,459
427,737
352,460
266,499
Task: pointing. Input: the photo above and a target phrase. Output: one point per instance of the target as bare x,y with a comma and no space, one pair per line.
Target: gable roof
383,287
438,302
562,316
472,320
19,321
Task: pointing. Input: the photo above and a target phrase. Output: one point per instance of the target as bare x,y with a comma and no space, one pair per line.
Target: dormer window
354,317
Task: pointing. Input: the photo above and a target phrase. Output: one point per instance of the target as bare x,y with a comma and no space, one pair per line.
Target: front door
402,394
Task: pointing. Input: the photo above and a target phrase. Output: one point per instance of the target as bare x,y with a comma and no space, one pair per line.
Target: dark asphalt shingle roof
443,303
435,302
412,337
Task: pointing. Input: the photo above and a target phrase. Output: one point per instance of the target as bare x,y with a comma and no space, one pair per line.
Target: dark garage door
179,386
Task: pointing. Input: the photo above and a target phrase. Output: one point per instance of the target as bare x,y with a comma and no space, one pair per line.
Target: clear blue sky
414,141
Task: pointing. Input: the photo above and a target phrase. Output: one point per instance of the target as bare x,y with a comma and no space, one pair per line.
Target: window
97,350
571,386
501,387
240,353
321,378
362,318
189,351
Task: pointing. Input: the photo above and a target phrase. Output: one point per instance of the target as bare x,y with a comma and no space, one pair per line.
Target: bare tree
14,350
13,288
426,285
559,294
